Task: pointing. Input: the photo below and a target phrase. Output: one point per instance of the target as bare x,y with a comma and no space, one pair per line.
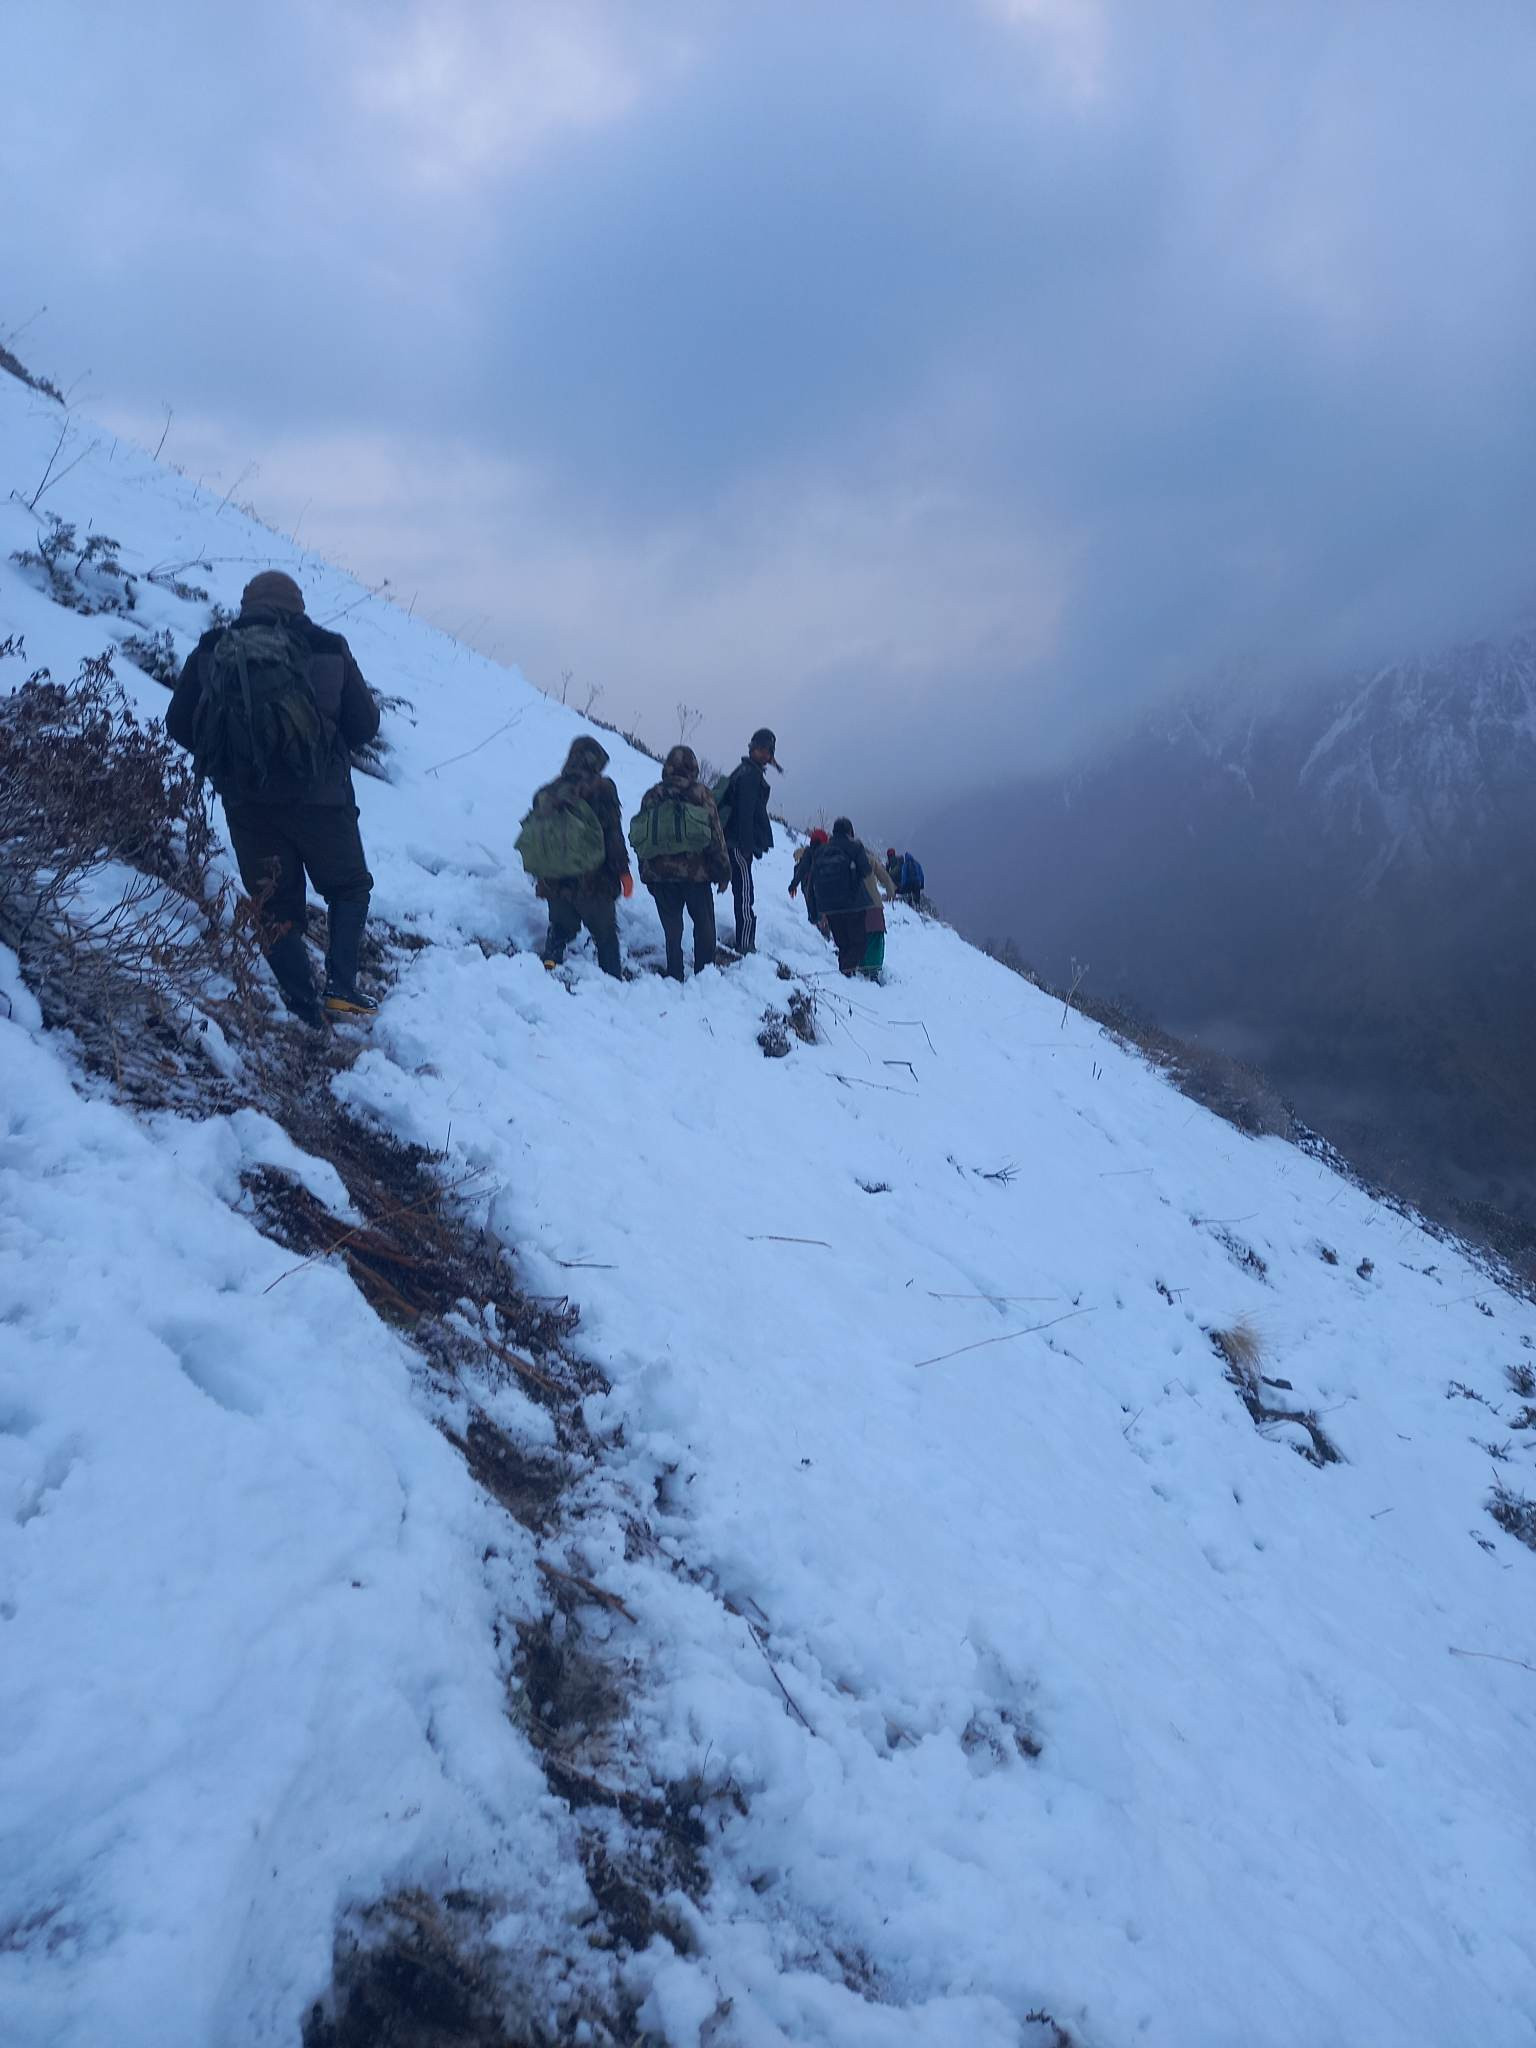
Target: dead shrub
564,1697
155,654
1241,1348
774,1035
107,890
1238,1094
802,1015
415,1971
1514,1513
82,575
18,369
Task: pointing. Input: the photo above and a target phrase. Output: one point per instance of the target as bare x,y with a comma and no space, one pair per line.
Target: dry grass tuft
1241,1346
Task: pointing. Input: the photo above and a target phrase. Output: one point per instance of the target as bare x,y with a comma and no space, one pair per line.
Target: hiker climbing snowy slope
286,779
1047,1549
572,844
683,857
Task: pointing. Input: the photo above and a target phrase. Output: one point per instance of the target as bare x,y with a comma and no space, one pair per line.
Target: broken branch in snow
789,1699
769,1237
914,1024
331,617
496,735
1007,1337
558,1578
521,1365
885,1088
1493,1657
376,1288
371,1223
991,1297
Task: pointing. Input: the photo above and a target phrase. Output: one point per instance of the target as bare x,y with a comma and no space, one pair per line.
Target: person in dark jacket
907,874
686,881
839,874
748,831
799,881
589,900
289,829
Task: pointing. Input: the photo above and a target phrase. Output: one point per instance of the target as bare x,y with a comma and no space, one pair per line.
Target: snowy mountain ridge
1033,1535
1413,761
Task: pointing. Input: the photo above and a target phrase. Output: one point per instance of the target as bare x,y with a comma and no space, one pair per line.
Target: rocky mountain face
1336,886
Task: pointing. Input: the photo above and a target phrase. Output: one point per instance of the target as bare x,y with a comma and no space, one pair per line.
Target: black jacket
836,879
744,814
346,703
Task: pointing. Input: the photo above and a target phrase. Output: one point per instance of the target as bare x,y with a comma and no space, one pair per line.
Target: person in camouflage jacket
686,881
577,900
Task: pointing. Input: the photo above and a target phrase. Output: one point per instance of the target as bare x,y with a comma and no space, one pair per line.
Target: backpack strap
244,673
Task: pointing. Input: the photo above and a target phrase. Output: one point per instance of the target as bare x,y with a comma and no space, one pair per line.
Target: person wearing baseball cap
743,804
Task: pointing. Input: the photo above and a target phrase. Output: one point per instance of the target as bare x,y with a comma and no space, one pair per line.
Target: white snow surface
247,1668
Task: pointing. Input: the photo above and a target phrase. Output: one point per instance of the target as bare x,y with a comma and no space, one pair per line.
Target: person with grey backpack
572,843
681,848
270,708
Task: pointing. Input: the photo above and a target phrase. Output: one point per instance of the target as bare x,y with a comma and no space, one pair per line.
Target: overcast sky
930,381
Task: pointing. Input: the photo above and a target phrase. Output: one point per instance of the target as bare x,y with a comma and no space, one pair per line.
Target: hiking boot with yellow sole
349,1002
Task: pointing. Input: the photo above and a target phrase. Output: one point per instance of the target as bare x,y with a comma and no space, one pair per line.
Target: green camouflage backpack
257,717
671,826
561,837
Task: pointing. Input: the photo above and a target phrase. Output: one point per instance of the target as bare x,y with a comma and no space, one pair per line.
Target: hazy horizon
934,383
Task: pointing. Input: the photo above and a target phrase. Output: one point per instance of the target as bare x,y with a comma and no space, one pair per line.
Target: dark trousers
673,897
743,896
850,936
567,915
279,844
276,846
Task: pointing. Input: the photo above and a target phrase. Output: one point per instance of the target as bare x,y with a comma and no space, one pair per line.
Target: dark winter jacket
582,778
345,700
906,872
838,874
800,876
680,784
744,810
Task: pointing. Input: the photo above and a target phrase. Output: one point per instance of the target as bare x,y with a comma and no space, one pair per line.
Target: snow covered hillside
1026,1683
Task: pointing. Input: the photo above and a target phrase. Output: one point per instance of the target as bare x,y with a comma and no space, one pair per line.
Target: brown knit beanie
272,591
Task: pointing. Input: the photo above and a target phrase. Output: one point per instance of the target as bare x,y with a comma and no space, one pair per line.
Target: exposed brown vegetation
1241,1348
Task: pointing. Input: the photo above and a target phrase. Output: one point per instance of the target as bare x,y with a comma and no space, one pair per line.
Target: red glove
626,885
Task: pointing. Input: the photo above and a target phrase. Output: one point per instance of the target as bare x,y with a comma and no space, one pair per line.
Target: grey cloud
858,360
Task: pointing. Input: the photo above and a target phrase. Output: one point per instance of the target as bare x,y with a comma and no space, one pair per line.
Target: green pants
599,913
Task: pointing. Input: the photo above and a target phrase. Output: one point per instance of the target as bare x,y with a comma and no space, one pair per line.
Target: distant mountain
1337,886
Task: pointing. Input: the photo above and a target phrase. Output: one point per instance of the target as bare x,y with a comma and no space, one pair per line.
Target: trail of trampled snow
1269,1806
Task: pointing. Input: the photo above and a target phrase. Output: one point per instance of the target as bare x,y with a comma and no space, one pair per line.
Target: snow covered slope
1043,1680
